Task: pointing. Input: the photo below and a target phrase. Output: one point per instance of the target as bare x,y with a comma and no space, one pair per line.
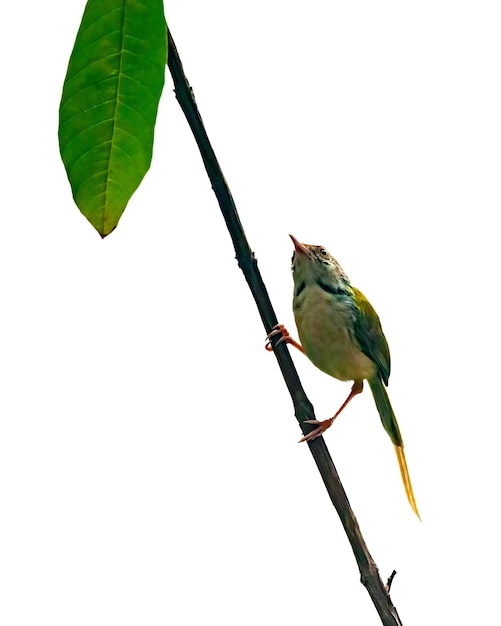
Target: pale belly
323,325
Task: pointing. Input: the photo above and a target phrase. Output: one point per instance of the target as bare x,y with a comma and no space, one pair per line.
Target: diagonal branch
369,573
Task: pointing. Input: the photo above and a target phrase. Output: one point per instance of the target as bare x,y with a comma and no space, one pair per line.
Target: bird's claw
322,426
278,329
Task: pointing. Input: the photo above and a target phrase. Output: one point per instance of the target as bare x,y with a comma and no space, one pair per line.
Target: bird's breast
325,324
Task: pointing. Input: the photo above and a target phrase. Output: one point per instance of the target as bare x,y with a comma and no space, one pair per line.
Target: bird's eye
323,251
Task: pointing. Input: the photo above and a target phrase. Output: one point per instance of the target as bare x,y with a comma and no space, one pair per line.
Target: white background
149,465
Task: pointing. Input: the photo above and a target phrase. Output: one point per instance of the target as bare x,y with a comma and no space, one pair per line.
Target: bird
340,332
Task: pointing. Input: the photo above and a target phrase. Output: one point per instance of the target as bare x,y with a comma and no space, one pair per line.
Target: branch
303,408
390,580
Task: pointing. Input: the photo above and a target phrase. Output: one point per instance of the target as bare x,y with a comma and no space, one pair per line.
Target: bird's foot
317,432
279,329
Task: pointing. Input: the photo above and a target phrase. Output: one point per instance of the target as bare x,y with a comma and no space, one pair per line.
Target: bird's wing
370,336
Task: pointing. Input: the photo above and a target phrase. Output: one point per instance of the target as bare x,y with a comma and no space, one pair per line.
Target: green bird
341,334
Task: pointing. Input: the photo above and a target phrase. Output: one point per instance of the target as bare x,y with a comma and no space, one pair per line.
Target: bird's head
314,264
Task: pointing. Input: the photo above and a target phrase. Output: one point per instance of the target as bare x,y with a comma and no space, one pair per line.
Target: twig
390,580
369,573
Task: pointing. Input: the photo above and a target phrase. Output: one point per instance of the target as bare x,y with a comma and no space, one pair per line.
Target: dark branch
302,406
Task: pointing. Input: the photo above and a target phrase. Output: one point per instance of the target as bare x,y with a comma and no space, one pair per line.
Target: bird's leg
280,329
322,426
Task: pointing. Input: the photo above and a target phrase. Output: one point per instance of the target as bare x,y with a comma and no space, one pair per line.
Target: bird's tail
391,426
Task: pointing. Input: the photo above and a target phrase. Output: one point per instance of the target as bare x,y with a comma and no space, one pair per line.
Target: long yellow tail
402,463
391,426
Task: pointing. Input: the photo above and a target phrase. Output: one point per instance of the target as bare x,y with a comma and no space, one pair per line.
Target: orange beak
299,246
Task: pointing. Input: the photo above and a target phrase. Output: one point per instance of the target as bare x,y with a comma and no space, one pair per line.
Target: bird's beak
299,246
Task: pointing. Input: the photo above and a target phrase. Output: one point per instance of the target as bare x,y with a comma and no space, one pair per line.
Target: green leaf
109,104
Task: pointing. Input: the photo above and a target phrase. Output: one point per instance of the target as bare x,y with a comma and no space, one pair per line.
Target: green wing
370,336
373,344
